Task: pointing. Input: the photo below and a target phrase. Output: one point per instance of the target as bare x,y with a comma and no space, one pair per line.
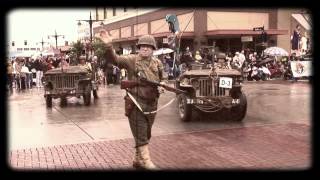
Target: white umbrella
162,51
275,51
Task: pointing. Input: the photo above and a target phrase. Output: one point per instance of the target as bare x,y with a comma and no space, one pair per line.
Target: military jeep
211,90
69,81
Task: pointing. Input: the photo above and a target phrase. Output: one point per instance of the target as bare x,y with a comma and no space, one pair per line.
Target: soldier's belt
152,112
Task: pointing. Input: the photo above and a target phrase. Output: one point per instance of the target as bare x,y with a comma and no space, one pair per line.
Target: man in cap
139,99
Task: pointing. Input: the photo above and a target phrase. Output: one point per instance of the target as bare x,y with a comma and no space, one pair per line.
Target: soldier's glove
161,89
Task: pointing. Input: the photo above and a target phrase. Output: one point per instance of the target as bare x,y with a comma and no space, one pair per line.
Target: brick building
230,29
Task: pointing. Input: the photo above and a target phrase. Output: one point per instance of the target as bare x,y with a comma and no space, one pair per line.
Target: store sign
246,38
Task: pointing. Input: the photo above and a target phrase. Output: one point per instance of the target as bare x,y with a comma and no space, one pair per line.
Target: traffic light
12,44
25,42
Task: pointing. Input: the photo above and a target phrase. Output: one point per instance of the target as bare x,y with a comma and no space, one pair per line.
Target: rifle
124,84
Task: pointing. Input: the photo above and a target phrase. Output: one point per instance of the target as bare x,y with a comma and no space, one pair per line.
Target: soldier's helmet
147,40
221,57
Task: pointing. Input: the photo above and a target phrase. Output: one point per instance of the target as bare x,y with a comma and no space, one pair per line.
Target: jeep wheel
95,94
49,101
63,101
87,96
239,112
185,110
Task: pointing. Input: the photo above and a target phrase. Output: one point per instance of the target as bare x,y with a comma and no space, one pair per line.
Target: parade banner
301,68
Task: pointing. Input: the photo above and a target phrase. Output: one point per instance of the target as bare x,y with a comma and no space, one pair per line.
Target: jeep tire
87,96
95,94
49,101
185,110
63,101
239,112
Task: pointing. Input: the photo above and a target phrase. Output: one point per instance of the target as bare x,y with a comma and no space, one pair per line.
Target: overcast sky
35,24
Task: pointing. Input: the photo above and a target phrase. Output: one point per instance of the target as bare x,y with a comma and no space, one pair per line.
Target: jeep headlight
185,81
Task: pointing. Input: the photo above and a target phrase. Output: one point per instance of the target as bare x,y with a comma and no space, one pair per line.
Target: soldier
82,63
138,65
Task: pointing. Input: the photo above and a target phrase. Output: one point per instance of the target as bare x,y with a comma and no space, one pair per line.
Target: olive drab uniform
146,96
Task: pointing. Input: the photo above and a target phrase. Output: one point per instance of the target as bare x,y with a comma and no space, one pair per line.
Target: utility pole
42,43
90,21
56,37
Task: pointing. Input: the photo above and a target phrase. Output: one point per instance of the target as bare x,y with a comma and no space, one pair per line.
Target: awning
226,32
184,34
126,39
157,35
302,21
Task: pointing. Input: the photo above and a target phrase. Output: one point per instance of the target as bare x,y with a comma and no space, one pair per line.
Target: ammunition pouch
128,105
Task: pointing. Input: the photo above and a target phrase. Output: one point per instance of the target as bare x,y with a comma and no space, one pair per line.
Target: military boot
144,160
135,162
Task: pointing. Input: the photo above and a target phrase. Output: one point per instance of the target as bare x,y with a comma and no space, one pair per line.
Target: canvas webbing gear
152,112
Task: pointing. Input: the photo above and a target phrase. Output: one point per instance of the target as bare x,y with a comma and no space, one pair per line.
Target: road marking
73,122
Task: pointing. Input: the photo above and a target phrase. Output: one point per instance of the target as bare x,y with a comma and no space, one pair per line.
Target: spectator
29,65
295,38
55,62
236,61
266,72
116,74
304,44
63,63
123,74
39,72
198,57
10,76
25,76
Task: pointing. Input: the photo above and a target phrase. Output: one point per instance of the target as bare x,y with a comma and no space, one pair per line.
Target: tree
99,50
76,51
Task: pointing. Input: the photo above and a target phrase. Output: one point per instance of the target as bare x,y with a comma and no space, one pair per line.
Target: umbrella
275,51
162,51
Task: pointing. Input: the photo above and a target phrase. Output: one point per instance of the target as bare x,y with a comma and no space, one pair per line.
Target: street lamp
90,21
56,37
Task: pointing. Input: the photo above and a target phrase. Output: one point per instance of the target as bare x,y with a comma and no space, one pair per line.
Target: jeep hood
67,70
206,72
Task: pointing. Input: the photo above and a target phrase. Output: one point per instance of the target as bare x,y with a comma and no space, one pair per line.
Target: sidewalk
273,146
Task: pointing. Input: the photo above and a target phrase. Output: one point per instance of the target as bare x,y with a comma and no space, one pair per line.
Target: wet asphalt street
31,124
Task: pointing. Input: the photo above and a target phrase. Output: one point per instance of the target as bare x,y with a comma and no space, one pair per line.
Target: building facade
230,30
25,47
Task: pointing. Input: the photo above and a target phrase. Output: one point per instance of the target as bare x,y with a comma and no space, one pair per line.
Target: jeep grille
63,81
205,88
